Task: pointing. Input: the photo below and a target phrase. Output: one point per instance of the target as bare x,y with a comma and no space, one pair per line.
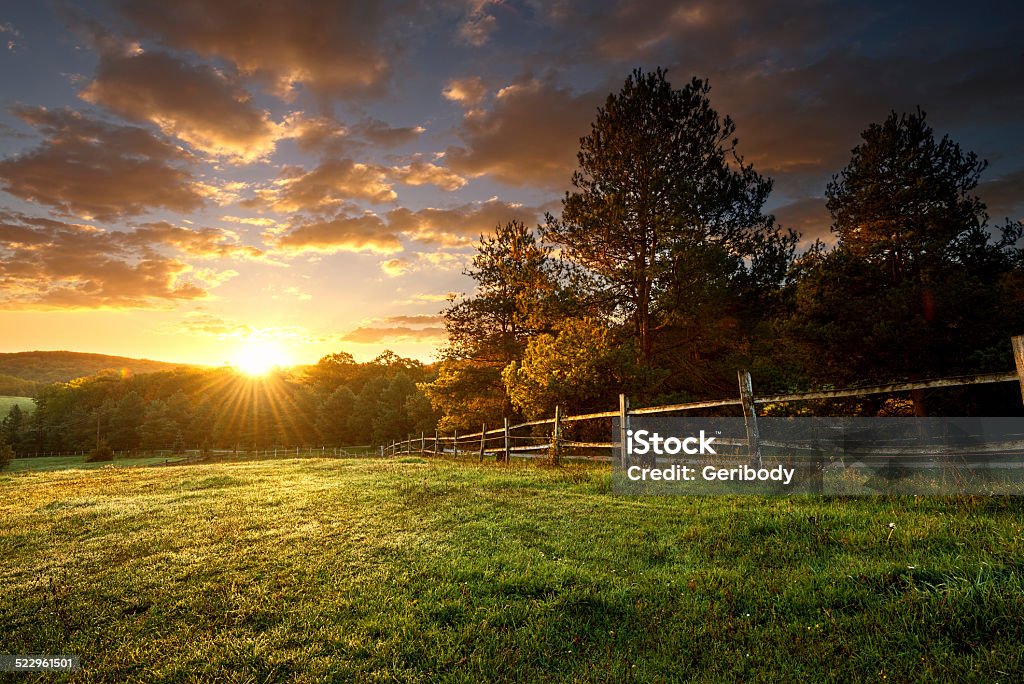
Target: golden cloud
420,172
457,226
196,104
343,233
94,169
466,91
325,187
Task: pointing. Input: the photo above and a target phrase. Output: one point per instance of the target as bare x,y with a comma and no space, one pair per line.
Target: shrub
6,455
100,453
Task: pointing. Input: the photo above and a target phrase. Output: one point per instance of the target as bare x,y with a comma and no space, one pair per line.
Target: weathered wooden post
556,438
1018,357
423,444
455,442
623,427
483,441
435,441
508,443
750,417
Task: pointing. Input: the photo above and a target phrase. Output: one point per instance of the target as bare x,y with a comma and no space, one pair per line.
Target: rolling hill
39,368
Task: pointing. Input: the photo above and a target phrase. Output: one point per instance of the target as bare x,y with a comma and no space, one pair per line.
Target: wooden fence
503,443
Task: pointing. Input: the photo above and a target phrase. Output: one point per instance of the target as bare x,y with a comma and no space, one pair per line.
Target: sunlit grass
357,570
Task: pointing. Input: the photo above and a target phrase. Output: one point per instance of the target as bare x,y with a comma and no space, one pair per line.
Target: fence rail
552,445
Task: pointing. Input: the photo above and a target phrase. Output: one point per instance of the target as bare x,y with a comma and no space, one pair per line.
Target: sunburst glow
257,357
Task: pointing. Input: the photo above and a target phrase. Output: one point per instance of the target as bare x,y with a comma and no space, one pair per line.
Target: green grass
26,404
50,463
357,570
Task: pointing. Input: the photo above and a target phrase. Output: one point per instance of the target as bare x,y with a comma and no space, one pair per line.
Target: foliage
100,453
579,368
915,286
662,201
6,454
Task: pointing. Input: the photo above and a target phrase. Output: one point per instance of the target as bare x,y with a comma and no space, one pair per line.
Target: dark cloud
46,263
528,137
1004,196
332,47
384,135
195,103
94,169
809,217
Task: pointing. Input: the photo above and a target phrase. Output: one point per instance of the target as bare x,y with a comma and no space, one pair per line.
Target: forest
662,275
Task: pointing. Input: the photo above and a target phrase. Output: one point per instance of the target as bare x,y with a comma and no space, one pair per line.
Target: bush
100,453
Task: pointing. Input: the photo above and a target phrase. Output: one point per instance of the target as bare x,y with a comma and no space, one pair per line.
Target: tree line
664,274
335,402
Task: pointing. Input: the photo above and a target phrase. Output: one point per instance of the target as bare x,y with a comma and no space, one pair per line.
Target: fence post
556,438
483,441
1018,357
750,417
623,427
455,442
508,443
423,444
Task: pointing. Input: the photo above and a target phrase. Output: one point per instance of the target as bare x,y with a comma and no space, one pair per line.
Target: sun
259,357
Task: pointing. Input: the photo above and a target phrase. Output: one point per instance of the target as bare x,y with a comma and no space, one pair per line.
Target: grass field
6,403
358,570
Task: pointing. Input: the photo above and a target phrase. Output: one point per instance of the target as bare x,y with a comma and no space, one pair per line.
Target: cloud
460,225
478,25
209,324
385,135
342,233
529,136
395,267
327,186
94,169
420,172
203,243
809,217
319,134
402,328
195,103
334,48
46,263
1004,196
466,91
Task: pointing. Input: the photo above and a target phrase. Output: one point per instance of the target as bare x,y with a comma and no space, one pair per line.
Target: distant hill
43,367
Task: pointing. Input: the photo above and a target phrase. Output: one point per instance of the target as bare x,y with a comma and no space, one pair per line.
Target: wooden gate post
455,442
1018,357
750,417
556,438
508,443
623,428
423,444
483,440
435,441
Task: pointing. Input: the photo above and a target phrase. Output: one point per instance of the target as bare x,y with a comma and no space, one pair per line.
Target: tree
518,294
662,199
915,285
6,454
580,368
333,416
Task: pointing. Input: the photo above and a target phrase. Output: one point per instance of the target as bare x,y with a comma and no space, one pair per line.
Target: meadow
7,402
313,570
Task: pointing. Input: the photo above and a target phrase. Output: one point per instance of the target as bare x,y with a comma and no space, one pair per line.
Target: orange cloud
343,233
403,328
196,104
424,173
466,91
459,225
94,169
46,263
325,187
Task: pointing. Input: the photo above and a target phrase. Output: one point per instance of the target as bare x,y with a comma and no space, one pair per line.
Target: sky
191,181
